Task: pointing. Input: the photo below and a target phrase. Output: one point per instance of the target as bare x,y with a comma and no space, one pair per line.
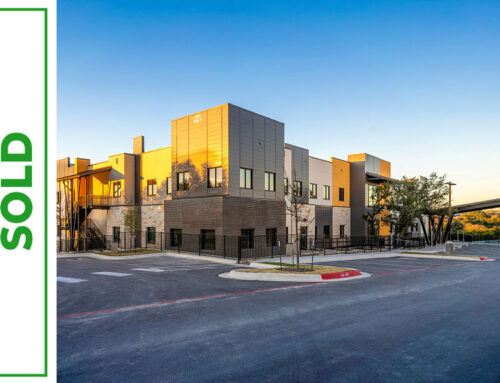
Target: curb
308,278
447,257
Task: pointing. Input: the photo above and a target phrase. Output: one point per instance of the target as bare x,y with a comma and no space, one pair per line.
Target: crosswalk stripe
151,270
111,274
70,280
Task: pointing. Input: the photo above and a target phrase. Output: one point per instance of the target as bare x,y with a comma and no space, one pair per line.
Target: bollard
449,248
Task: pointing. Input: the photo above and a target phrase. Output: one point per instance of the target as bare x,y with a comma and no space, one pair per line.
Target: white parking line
111,274
151,270
70,280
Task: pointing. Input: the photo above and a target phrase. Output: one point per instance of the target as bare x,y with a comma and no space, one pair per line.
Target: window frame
184,185
247,241
299,183
313,190
169,185
204,235
270,181
116,234
341,194
342,231
271,237
326,192
217,176
151,235
246,175
152,187
119,184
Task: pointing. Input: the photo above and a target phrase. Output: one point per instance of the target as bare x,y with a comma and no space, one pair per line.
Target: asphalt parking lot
174,320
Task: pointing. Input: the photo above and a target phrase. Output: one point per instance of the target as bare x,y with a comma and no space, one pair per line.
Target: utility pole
450,184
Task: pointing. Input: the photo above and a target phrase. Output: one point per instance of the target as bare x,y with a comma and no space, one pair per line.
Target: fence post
161,241
199,244
224,247
146,235
239,249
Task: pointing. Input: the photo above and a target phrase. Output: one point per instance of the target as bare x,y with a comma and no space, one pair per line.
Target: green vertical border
45,347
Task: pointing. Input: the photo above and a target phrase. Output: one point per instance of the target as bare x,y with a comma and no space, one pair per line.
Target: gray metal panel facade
372,164
300,164
358,180
255,142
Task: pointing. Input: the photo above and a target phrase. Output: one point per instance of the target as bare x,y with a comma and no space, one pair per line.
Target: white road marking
70,280
111,274
151,270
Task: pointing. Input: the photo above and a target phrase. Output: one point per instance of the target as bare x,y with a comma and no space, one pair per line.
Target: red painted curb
483,258
341,274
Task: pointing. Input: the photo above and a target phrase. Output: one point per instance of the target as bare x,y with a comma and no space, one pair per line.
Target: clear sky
414,82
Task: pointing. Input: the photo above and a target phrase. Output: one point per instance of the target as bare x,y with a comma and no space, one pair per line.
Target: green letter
21,230
23,183
4,207
6,156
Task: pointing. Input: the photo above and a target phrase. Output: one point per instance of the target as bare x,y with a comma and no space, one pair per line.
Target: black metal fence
474,237
238,247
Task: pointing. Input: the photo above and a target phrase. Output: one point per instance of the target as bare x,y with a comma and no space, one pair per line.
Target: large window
271,237
285,185
151,235
326,230
117,189
371,195
215,177
270,181
341,194
246,240
342,230
152,188
297,188
208,239
183,181
313,191
175,237
169,185
326,192
245,178
116,234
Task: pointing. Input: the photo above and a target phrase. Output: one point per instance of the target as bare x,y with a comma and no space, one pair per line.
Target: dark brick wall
226,215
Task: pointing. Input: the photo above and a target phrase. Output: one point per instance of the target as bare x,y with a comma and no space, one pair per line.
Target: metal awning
377,178
86,173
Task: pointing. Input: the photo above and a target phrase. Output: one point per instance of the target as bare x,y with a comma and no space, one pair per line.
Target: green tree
131,221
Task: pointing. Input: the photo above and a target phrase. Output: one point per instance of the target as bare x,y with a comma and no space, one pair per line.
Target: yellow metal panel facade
340,179
356,157
199,142
385,168
156,165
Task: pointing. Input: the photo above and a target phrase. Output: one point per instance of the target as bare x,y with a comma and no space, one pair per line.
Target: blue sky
416,83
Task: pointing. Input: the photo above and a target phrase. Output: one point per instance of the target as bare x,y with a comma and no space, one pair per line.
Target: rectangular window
326,230
215,177
297,188
246,178
208,239
183,181
151,235
271,237
117,189
326,192
246,240
169,185
270,181
176,237
116,234
286,235
372,195
313,192
152,188
342,231
285,185
341,194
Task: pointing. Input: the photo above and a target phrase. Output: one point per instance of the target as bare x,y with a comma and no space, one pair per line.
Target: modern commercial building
228,174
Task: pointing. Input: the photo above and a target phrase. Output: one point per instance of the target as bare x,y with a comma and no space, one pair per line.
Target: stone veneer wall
341,216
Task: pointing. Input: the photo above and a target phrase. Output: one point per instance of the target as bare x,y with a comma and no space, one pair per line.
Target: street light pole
450,184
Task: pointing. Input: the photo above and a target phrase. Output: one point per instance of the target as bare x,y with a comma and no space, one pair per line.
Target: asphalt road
176,321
